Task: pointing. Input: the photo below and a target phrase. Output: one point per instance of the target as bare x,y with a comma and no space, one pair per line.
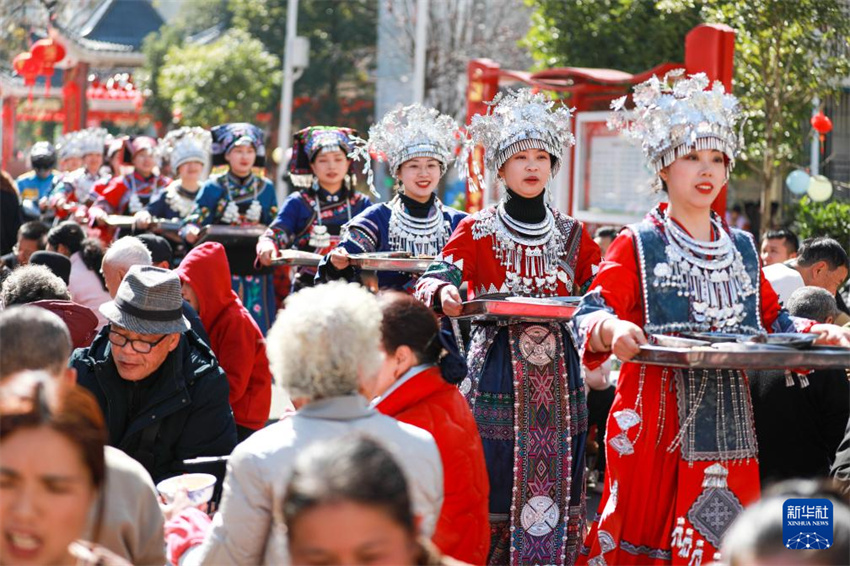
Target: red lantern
47,52
822,125
28,68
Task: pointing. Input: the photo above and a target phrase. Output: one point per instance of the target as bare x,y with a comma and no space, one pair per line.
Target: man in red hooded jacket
235,338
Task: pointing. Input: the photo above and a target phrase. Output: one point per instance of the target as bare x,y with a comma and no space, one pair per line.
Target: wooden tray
745,356
519,309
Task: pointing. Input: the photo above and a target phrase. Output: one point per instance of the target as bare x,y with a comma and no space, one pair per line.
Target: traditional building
93,84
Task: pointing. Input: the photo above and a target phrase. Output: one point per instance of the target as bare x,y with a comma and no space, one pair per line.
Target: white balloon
820,188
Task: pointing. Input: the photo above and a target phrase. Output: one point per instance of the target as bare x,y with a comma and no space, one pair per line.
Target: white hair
127,252
326,341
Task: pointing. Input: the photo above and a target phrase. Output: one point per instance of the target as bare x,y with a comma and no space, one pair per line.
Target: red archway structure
709,49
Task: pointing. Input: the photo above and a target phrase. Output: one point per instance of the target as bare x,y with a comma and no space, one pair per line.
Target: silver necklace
529,252
179,203
320,238
711,274
419,236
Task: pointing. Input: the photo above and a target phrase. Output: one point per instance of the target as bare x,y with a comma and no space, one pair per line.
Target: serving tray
231,234
519,309
745,356
297,257
123,221
393,261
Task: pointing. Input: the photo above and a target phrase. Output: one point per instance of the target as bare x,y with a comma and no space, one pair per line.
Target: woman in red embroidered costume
681,447
524,383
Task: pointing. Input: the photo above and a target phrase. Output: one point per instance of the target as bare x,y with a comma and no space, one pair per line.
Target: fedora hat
148,301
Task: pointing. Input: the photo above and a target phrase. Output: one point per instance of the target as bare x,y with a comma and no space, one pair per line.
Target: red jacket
427,401
235,338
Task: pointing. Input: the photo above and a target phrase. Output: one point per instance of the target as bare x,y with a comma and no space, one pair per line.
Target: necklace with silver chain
711,274
419,236
529,252
715,255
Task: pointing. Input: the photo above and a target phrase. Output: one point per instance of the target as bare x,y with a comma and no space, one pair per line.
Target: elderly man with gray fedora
159,386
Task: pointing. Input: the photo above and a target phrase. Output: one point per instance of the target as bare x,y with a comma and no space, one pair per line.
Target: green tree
630,35
822,219
343,36
787,52
156,47
230,80
195,17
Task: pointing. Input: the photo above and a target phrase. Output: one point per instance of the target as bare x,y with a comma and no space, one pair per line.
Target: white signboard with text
611,183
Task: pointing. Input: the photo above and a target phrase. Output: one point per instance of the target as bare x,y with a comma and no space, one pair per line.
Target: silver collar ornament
711,274
135,204
418,236
179,203
529,252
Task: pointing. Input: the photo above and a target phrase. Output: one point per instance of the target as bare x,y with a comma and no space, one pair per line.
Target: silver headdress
92,140
520,120
676,115
69,146
409,132
186,144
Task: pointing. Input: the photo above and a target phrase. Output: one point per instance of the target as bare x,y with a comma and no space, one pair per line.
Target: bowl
199,487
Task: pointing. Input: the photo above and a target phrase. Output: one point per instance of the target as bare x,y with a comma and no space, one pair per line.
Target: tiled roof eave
98,52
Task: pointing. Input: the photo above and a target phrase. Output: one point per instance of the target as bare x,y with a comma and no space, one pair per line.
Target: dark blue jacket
182,414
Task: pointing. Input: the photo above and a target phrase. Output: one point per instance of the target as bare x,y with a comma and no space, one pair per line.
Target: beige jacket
249,527
132,525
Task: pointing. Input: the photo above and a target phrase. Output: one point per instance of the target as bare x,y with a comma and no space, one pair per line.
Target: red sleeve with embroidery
618,283
589,258
455,264
111,196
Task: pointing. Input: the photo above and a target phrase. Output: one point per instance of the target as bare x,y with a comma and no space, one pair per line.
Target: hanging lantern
47,52
28,68
822,125
820,188
798,182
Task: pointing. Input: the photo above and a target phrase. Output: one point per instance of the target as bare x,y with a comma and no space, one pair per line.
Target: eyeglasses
140,346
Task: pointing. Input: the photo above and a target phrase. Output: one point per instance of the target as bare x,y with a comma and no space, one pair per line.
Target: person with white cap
128,194
188,152
75,190
36,185
160,387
